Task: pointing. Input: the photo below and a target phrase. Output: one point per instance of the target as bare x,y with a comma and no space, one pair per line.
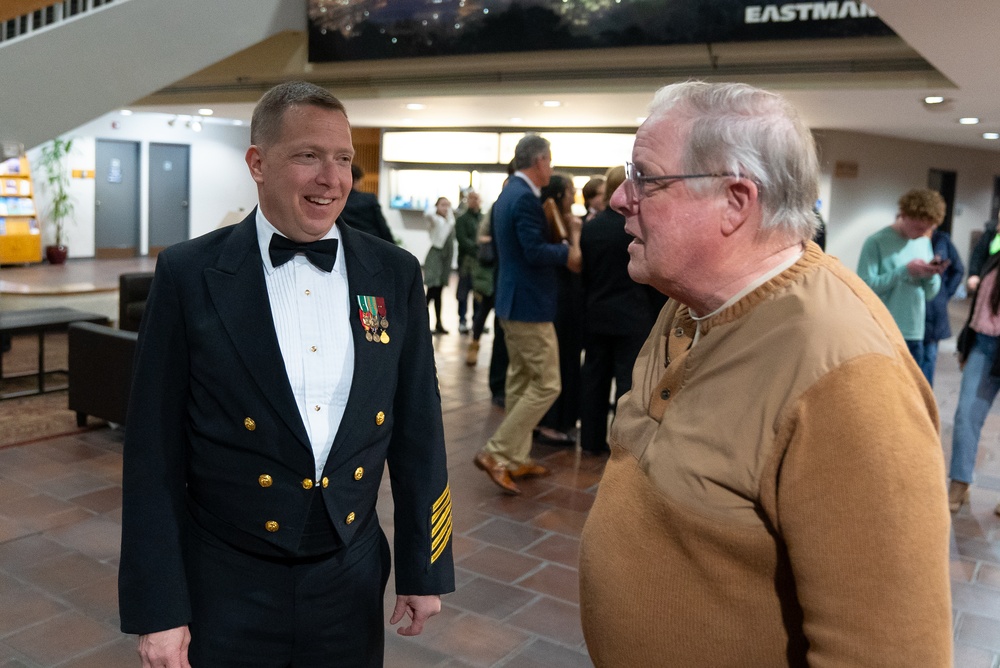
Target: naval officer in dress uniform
281,363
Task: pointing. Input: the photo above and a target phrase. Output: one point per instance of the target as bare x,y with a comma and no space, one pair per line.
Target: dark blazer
212,413
363,212
526,288
936,325
614,303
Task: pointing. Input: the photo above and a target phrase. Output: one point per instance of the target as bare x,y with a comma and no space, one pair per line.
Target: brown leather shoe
497,472
531,470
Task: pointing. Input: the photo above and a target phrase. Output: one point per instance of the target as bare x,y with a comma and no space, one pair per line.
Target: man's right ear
254,159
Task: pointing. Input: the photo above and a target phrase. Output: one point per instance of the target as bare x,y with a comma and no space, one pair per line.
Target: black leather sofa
132,292
100,371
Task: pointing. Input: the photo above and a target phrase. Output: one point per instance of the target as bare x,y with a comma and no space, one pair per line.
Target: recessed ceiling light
991,135
415,106
516,120
933,99
126,112
969,120
237,122
551,103
195,125
205,112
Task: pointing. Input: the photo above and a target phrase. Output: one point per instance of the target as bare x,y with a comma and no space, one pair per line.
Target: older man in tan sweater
775,493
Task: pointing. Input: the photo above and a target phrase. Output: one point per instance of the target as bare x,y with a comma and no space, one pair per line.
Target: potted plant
52,162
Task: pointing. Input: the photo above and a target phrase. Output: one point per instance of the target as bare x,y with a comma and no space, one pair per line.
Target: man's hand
921,269
419,609
168,649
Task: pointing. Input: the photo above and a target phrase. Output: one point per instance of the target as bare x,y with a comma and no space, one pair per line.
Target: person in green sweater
899,265
466,231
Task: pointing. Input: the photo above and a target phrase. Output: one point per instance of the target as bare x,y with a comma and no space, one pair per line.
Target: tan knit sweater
775,494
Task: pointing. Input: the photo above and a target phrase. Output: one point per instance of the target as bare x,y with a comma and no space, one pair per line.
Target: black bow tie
322,253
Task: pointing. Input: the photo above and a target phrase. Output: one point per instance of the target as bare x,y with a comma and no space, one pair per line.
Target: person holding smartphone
899,265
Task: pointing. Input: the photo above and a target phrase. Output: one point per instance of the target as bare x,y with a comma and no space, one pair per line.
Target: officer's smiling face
304,175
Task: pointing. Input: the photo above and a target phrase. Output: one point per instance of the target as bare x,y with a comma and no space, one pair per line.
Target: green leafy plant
52,161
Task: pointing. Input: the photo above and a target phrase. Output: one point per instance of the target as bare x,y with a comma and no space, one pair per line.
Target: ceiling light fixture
969,120
205,112
551,103
991,135
126,112
415,106
933,99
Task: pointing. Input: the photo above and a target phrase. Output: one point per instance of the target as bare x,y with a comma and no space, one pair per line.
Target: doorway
169,218
116,205
943,181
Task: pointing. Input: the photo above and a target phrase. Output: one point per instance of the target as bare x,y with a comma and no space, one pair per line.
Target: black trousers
250,611
605,357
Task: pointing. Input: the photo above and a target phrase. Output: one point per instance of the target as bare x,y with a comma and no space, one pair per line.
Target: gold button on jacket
350,518
307,484
271,526
325,482
249,424
265,480
379,418
359,473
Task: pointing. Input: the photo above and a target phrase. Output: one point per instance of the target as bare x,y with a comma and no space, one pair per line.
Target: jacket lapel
366,276
239,293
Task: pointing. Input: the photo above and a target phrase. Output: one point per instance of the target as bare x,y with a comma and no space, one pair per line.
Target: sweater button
664,394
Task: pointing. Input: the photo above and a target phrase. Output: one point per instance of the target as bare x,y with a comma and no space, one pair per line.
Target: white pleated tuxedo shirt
310,309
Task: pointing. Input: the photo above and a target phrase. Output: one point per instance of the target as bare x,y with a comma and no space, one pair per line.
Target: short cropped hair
614,177
530,148
591,188
923,204
356,172
754,133
265,125
556,188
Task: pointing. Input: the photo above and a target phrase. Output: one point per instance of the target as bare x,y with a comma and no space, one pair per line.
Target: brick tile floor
516,604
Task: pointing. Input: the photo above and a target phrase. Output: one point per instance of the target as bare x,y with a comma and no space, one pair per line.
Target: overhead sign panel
377,29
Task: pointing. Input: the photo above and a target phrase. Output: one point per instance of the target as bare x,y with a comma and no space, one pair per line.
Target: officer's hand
165,649
419,609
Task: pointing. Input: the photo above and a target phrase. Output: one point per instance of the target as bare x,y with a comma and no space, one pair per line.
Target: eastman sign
376,29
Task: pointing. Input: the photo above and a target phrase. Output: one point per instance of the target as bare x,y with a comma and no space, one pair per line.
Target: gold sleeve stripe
440,548
444,498
440,523
438,520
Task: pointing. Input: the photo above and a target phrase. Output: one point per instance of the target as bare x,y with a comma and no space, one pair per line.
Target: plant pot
56,254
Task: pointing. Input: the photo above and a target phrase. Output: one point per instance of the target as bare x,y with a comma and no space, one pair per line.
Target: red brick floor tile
561,520
28,552
97,599
61,638
545,654
41,512
966,526
121,652
570,499
67,572
401,652
989,575
11,490
100,501
511,535
979,631
24,607
74,484
576,478
513,507
558,548
480,641
555,581
962,570
97,537
489,598
551,619
973,657
500,564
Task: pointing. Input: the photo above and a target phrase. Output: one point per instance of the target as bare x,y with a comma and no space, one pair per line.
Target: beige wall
855,207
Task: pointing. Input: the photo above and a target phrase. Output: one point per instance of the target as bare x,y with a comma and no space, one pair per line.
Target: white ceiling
955,38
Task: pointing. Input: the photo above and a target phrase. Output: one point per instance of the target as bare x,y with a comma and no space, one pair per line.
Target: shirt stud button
271,526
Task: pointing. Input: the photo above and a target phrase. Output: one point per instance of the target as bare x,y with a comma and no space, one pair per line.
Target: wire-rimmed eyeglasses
637,181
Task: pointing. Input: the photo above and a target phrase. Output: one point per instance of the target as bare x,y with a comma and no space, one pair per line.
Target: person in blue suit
526,298
281,363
